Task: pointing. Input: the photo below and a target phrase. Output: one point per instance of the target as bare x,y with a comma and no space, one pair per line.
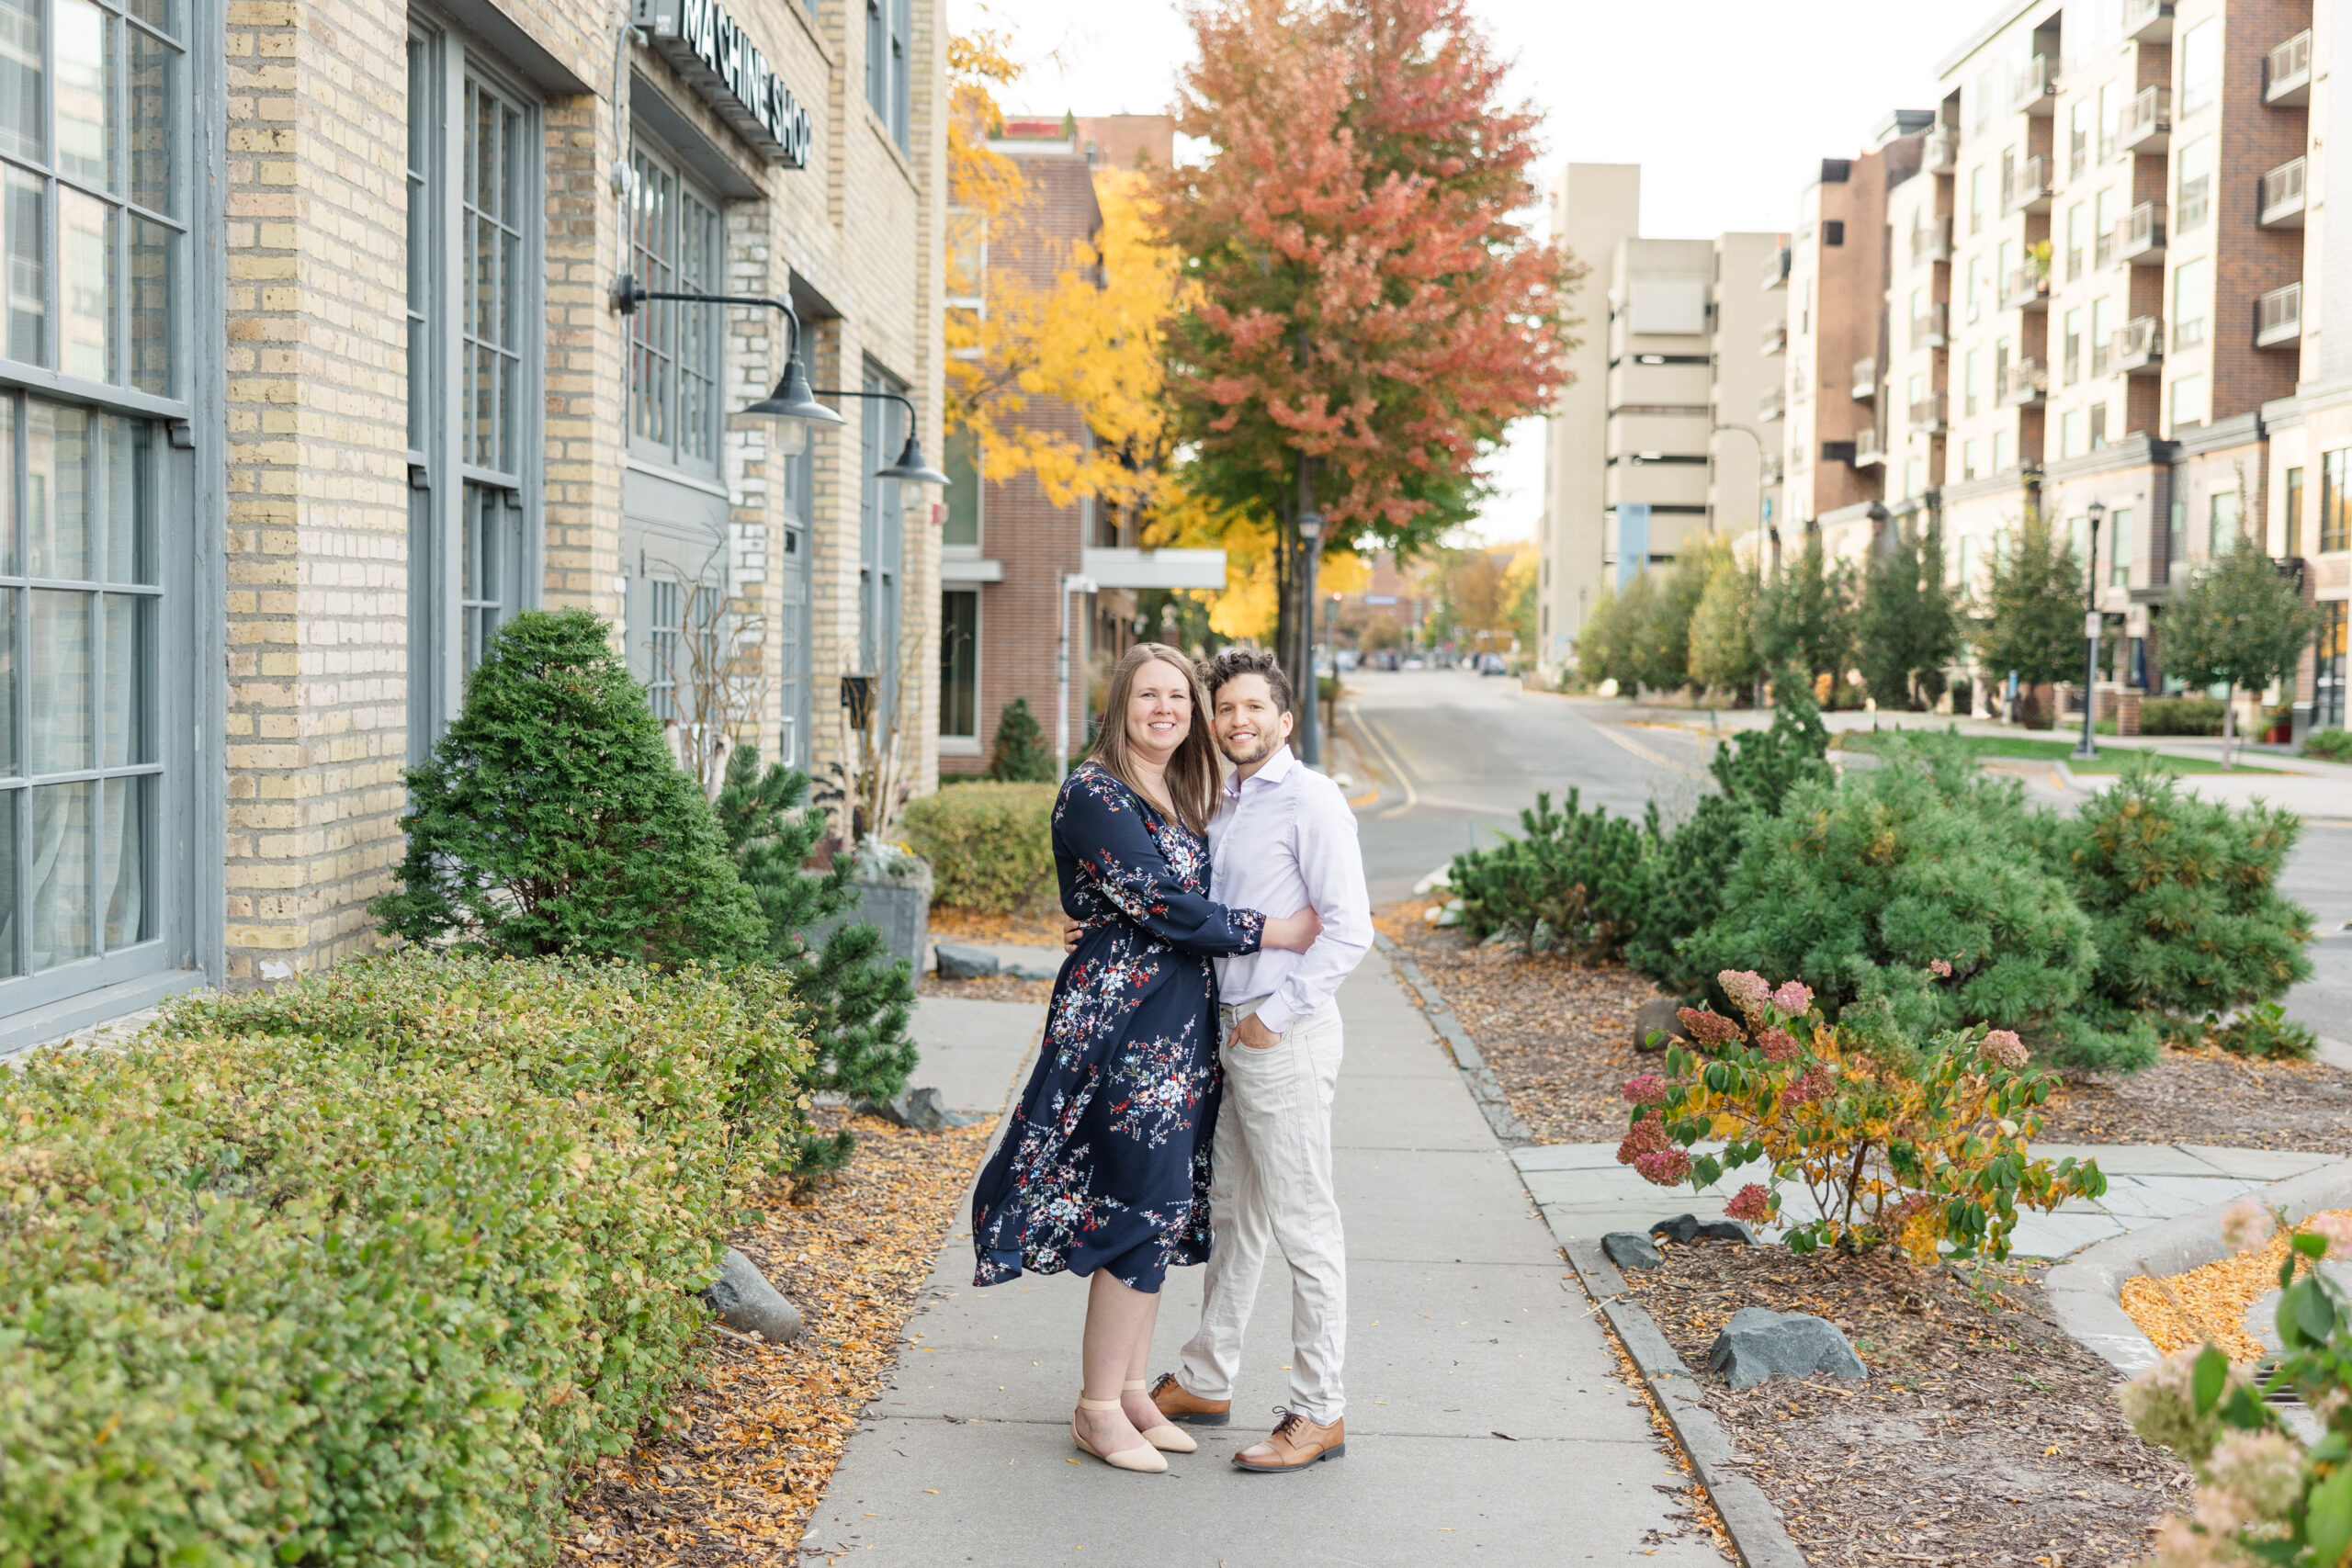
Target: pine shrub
2329,745
1020,754
990,845
1574,881
2181,716
552,819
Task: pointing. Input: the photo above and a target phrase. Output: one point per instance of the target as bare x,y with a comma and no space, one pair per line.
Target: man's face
1247,723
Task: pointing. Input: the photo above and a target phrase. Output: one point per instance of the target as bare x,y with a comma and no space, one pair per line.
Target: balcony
2147,21
1776,269
2279,317
1928,413
2028,189
1868,451
1769,407
1932,328
2034,90
2147,122
1940,151
2140,236
2139,349
1772,469
2286,74
2282,196
2026,288
1776,339
1865,379
1931,238
2024,384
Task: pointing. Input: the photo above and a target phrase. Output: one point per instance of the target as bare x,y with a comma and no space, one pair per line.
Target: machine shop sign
721,62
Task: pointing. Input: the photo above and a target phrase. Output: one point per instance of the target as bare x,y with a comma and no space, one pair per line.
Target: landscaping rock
1760,1342
966,963
746,1303
1659,1016
1630,1249
920,1110
1687,1228
1022,969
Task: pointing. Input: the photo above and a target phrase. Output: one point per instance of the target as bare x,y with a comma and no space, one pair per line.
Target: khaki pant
1273,1186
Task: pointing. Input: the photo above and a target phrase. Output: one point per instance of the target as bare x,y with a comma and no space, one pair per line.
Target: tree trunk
2229,724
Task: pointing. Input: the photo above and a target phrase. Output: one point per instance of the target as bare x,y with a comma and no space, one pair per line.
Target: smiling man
1282,831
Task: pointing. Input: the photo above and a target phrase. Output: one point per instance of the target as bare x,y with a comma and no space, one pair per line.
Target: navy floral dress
1106,1162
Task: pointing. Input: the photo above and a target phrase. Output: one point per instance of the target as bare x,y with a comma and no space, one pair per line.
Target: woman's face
1159,710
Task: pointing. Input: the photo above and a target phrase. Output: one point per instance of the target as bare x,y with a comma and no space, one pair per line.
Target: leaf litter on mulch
745,1452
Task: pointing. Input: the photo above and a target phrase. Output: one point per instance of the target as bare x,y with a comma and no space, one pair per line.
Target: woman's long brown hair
1192,773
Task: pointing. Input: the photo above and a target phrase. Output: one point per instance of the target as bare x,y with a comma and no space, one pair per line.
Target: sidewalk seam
1748,1516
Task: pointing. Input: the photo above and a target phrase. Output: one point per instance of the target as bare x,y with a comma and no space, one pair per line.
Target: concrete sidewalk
1465,1325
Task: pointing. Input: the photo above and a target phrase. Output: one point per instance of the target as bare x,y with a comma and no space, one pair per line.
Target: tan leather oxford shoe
1296,1443
1179,1404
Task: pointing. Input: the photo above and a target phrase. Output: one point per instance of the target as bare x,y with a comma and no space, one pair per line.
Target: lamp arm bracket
628,293
913,419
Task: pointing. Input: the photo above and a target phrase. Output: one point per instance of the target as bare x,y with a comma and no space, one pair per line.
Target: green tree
1662,647
2242,624
2030,620
856,997
1908,626
1020,754
1805,620
1723,629
1613,632
552,819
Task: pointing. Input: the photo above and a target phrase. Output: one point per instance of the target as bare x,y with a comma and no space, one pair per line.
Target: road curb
1748,1516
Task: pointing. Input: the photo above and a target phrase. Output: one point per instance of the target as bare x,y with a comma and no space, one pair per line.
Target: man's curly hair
1235,661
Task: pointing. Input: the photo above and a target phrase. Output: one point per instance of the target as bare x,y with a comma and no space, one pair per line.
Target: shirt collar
1278,768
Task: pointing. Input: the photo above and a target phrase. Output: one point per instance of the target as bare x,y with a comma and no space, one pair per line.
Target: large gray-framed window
99,534
795,692
959,663
889,28
478,306
677,244
881,534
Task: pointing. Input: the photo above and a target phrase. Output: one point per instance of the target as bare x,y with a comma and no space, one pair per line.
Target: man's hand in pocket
1071,931
1255,1035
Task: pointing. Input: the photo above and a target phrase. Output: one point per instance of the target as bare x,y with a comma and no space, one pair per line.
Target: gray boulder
1656,1016
1630,1249
1026,969
919,1109
1687,1228
1759,1342
746,1303
956,963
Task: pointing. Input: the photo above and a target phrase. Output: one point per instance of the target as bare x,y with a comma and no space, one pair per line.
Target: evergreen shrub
2329,745
551,818
361,1270
1020,754
990,845
2180,715
1574,881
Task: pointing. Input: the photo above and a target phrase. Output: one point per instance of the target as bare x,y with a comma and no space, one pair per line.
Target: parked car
1492,664
1415,661
1387,659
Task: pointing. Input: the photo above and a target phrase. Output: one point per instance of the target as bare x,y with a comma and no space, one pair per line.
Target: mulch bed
1984,1433
995,989
746,1451
2209,1097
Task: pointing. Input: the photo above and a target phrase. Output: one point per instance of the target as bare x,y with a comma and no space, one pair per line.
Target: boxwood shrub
990,845
357,1270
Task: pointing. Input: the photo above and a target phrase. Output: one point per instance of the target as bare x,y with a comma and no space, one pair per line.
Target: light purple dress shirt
1284,840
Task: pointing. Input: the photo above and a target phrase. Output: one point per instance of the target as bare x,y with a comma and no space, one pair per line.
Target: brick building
314,375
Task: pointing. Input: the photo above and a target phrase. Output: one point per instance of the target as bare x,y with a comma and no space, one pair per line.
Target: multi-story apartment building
1663,438
315,373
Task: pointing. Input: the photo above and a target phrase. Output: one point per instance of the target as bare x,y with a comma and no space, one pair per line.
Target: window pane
123,869
20,78
962,469
60,681
7,487
128,737
11,759
58,461
959,662
163,14
61,873
9,802
124,472
26,219
85,286
156,151
86,118
154,271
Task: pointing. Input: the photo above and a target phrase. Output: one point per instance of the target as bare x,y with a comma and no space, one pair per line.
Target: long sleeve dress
1106,1162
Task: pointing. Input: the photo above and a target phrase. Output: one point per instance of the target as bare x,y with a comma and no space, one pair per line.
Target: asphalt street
1457,756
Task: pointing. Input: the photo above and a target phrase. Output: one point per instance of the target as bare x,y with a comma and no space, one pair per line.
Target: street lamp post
1761,486
1071,582
2086,750
1311,733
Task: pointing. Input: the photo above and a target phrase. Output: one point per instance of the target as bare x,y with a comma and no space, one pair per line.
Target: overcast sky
1727,105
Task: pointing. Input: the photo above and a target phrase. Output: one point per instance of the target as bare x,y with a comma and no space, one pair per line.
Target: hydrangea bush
2262,1495
1921,1148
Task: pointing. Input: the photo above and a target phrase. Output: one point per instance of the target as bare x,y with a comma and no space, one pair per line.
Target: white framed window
2073,433
2190,402
2193,299
677,244
2199,52
889,31
2004,451
960,666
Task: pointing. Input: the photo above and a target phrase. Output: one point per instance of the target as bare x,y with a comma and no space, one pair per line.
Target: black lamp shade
792,399
911,465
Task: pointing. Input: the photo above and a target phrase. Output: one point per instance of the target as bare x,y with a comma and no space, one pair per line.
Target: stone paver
1486,1423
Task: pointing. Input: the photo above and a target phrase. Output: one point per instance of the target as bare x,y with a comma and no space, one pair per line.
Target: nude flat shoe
1167,1437
1146,1460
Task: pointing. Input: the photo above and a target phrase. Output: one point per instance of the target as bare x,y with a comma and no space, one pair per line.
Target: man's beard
1267,740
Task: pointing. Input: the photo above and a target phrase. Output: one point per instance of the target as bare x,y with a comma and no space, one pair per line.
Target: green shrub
2180,715
2329,745
1020,754
367,1291
1903,898
1574,880
990,845
551,818
2183,897
2267,1032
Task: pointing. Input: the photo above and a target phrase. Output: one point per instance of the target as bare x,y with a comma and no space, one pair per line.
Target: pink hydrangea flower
1751,1203
1642,1090
1794,997
1940,968
1663,1168
1816,1083
2336,1227
2003,1048
1747,989
1776,1044
1710,1030
1643,1137
2247,1227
